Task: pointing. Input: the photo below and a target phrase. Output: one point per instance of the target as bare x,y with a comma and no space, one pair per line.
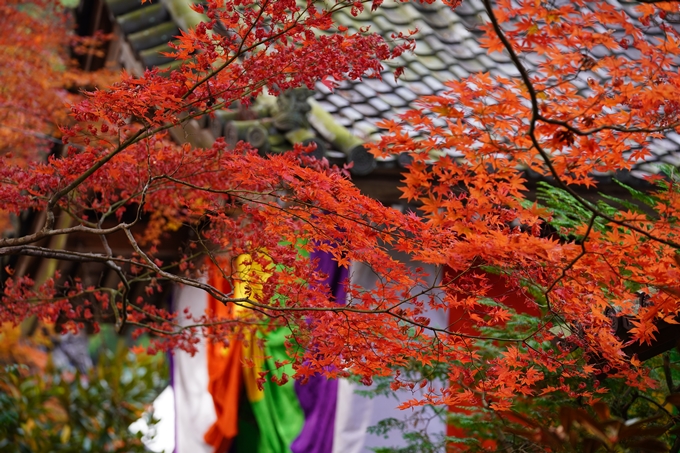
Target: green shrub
59,412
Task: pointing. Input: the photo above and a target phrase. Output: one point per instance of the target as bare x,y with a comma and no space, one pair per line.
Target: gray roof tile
410,75
433,63
365,91
337,100
406,94
343,120
433,41
352,114
364,129
443,76
365,109
661,147
327,106
419,68
674,136
379,104
394,100
388,78
472,65
460,51
672,158
433,83
352,95
378,86
459,72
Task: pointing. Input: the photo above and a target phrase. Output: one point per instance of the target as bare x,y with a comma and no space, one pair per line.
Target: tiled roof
447,48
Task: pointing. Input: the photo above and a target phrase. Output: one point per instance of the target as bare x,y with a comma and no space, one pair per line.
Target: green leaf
640,196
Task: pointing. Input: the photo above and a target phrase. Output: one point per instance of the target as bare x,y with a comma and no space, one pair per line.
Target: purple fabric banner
318,397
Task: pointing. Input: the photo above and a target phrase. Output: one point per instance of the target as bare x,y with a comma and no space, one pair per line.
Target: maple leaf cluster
39,80
32,107
594,91
572,113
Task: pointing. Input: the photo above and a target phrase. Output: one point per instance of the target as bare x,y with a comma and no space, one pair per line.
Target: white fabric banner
194,408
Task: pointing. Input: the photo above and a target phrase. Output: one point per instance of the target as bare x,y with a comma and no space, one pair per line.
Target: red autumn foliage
565,117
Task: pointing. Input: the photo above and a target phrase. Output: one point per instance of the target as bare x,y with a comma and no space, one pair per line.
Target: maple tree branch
248,303
67,255
122,316
660,406
630,130
668,375
49,223
96,166
358,221
211,290
88,257
240,51
147,276
215,191
140,135
294,200
563,274
535,114
449,332
30,238
573,262
180,328
135,138
229,61
71,296
112,209
235,192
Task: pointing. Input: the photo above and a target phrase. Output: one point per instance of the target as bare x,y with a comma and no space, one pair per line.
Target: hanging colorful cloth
193,405
318,397
322,416
271,418
224,373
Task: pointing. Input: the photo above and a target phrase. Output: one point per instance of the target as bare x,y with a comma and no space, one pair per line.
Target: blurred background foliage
45,408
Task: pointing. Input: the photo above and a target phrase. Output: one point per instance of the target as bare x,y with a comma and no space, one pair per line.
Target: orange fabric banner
224,373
